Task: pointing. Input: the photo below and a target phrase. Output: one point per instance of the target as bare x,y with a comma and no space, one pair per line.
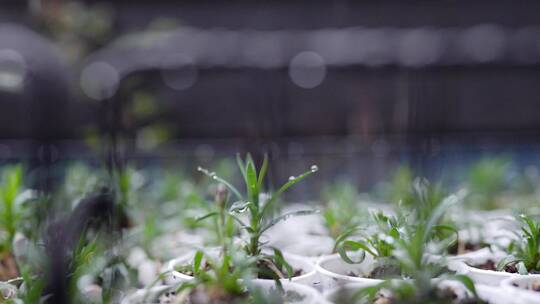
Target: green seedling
411,217
524,253
411,292
218,280
400,184
379,244
486,181
257,204
410,243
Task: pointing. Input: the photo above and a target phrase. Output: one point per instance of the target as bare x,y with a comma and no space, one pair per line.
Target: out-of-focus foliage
486,180
341,209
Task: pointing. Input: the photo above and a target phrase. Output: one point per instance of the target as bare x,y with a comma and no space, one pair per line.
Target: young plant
406,235
224,222
257,204
342,212
414,292
227,279
524,253
486,182
410,251
379,244
218,280
389,231
400,184
424,198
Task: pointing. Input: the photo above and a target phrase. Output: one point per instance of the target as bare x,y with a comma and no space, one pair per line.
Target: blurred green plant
218,280
524,252
399,243
486,181
341,211
11,212
409,247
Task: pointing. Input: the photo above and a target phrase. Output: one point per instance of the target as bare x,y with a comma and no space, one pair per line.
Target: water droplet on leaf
314,168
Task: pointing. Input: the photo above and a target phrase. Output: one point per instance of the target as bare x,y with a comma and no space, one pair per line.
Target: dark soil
446,295
264,273
188,269
534,287
491,265
464,247
384,271
266,270
204,295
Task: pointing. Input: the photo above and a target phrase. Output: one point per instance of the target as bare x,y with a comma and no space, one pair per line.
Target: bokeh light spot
99,80
307,70
12,71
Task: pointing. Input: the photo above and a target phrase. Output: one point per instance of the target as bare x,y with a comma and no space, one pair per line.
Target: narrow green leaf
507,260
284,188
252,186
342,237
359,245
467,282
344,255
262,171
241,165
242,224
282,263
197,260
215,177
229,227
202,218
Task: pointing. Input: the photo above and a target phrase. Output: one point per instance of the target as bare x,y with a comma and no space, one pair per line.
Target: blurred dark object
96,213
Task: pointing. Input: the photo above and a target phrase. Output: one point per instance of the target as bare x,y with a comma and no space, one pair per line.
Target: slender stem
221,225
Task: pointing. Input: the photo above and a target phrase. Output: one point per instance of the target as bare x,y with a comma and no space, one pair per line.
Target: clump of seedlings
423,198
402,259
524,252
216,280
226,279
418,227
252,213
380,244
418,291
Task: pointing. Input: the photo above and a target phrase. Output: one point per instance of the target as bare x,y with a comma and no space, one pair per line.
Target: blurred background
356,87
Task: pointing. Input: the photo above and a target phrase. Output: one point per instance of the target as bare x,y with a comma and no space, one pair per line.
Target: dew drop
314,168
291,178
199,168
